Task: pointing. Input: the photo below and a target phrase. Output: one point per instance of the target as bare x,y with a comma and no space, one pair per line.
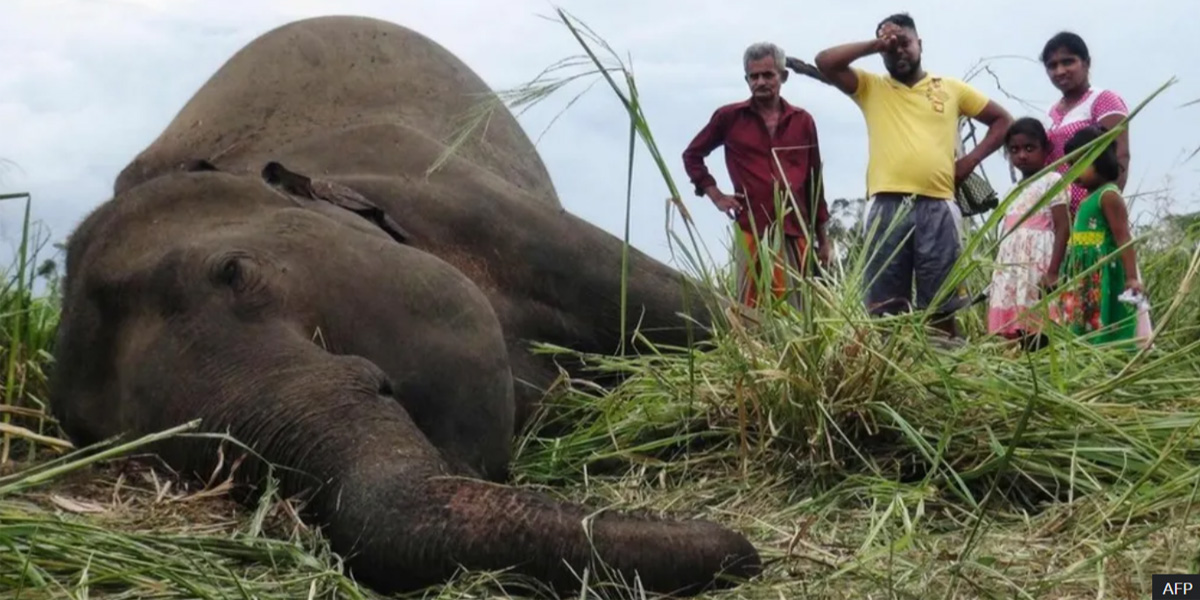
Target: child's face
1089,179
1026,153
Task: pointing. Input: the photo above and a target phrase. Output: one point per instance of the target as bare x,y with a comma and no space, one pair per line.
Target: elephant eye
229,271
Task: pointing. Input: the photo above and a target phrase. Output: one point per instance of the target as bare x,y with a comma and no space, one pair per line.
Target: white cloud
86,85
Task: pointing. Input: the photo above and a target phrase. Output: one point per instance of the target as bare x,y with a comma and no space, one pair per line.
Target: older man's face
764,78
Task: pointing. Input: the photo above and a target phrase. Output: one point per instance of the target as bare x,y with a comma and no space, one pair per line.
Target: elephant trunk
485,526
390,503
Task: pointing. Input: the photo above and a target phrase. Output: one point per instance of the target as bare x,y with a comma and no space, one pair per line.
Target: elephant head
390,101
373,374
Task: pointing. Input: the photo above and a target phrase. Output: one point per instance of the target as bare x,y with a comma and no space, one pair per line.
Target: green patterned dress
1090,304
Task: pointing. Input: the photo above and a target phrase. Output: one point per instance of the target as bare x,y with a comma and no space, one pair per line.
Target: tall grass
863,458
855,413
27,326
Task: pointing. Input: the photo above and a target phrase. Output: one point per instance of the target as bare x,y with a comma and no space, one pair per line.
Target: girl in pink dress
1067,61
1031,252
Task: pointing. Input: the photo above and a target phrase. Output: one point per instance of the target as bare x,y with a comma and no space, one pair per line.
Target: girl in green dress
1090,306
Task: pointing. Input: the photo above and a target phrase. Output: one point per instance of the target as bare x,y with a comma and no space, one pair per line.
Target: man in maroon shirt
770,146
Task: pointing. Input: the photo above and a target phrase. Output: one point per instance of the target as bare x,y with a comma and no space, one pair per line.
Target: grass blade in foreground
111,554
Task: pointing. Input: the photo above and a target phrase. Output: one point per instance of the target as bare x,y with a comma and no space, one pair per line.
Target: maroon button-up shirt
750,157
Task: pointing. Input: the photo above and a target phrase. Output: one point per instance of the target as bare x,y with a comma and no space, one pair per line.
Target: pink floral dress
1095,105
1023,256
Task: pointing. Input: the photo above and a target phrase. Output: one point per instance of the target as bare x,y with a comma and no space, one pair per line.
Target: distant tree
1179,232
845,228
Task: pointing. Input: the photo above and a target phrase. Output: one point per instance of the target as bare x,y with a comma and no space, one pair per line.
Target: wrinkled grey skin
277,264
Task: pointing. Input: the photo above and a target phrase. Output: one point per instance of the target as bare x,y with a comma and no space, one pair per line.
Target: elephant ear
336,194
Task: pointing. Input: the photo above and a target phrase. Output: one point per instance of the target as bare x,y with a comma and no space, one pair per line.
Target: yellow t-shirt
913,132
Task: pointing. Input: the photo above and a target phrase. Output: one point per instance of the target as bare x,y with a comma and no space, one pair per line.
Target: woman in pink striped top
1067,63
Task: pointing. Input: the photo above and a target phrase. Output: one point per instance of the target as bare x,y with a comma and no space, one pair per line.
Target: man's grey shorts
933,228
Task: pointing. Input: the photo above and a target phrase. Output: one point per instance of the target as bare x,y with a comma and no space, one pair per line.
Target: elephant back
316,77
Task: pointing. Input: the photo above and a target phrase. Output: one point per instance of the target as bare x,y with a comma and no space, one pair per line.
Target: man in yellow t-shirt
912,124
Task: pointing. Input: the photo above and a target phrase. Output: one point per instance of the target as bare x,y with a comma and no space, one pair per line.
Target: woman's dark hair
1028,126
1065,40
1106,163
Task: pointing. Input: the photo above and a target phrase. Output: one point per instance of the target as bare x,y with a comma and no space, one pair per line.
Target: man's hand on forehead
892,35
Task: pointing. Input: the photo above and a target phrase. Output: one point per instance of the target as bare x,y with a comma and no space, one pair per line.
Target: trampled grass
863,458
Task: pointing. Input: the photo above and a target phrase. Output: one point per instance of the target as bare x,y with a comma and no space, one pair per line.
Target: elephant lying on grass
278,265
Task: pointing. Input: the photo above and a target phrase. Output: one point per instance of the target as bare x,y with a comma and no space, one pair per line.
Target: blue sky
87,85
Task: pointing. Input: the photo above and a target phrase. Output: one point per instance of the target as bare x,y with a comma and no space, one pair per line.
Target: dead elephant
278,265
